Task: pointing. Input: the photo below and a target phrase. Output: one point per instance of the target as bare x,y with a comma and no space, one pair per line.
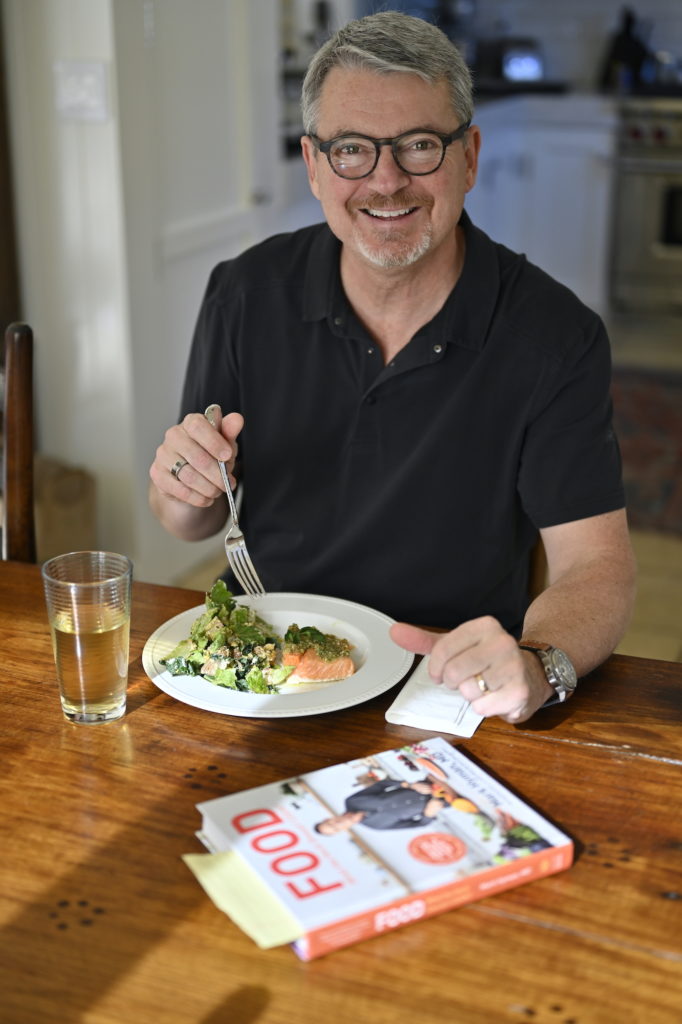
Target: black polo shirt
418,487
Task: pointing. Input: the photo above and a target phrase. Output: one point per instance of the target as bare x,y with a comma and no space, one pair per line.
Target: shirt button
338,320
370,351
438,349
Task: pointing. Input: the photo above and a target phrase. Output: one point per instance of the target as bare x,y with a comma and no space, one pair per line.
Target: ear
472,148
311,156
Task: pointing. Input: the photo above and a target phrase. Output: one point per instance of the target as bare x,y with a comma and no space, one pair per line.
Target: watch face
564,669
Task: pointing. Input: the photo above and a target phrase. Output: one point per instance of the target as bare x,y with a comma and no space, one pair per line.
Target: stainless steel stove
646,251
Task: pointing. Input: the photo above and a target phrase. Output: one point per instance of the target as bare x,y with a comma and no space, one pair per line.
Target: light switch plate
81,90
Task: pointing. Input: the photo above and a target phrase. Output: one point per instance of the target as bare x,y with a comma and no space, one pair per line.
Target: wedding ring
175,470
482,685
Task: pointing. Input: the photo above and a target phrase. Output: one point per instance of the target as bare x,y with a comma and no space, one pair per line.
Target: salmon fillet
316,657
309,667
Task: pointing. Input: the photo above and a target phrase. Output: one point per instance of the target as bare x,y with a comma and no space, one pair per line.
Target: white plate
380,663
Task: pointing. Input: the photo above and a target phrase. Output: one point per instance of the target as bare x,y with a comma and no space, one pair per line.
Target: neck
394,303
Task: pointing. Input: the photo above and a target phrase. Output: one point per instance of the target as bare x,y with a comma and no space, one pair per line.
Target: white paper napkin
425,705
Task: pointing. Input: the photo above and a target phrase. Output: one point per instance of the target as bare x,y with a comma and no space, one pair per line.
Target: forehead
355,100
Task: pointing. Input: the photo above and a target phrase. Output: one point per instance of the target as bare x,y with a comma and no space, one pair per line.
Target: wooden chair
537,578
18,522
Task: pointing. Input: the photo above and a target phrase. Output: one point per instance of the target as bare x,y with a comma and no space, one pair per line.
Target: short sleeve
210,375
571,466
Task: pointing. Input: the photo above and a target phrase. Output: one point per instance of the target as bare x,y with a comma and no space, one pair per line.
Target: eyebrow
354,131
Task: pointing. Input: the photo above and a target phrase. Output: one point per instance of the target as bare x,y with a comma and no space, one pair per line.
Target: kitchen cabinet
544,185
498,201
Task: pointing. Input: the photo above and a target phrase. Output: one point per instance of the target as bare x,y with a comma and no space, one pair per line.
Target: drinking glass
88,605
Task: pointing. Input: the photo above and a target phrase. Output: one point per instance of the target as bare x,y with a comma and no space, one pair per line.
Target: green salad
230,645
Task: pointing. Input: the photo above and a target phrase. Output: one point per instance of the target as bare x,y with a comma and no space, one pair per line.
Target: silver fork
235,545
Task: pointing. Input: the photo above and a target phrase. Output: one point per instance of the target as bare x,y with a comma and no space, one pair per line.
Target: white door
158,160
497,203
199,119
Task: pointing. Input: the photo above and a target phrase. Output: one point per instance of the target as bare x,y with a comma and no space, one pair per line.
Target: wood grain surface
101,922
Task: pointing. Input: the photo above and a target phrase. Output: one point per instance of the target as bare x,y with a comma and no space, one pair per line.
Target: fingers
193,480
192,448
483,662
231,427
419,641
228,427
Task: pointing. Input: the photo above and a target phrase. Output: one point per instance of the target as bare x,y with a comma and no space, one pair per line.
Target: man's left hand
484,662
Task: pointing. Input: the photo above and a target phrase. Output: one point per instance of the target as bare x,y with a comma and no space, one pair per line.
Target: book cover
349,851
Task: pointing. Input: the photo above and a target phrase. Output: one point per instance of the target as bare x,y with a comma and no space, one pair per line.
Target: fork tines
243,568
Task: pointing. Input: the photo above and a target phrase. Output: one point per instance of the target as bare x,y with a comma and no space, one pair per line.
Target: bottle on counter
626,58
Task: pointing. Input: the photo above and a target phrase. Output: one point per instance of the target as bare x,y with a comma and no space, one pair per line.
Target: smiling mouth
389,214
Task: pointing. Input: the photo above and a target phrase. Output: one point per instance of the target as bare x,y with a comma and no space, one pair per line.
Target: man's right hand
186,502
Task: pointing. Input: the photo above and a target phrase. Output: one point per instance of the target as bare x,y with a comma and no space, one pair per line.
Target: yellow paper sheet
241,894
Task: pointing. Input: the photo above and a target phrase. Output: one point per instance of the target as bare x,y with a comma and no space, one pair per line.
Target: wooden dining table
102,922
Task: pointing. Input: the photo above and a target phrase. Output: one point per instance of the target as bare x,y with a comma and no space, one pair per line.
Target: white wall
120,220
72,253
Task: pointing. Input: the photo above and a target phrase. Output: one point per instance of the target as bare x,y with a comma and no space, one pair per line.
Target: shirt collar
469,309
465,318
322,281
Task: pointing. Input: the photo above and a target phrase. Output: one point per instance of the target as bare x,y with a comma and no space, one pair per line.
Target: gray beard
394,260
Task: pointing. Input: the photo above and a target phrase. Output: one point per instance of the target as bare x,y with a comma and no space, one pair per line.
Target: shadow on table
92,923
243,1007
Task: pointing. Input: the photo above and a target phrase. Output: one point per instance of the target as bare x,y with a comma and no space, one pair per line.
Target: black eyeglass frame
446,140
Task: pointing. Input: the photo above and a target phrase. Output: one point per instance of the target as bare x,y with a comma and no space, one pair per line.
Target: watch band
533,645
559,670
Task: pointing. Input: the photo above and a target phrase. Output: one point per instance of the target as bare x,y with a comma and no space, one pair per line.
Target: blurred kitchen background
142,141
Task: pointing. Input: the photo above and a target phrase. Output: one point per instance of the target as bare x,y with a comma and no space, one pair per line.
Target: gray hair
389,42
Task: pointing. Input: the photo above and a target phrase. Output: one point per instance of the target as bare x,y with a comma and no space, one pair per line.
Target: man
388,804
414,403
391,804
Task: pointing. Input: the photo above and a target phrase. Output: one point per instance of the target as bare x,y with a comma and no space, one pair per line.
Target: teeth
388,213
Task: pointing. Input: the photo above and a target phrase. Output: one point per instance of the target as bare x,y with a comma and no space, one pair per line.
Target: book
337,855
424,704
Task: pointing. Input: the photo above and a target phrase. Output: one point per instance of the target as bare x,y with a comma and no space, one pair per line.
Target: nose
387,177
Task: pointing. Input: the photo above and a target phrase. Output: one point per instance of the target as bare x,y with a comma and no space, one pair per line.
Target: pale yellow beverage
91,656
88,607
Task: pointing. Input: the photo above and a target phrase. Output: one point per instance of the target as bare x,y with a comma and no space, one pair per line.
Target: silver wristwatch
558,667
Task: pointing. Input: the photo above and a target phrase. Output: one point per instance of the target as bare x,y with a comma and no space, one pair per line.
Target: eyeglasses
416,152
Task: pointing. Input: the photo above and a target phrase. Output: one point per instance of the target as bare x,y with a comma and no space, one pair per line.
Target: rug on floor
647,411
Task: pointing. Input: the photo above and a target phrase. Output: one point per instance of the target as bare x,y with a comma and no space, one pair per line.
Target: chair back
18,517
537,577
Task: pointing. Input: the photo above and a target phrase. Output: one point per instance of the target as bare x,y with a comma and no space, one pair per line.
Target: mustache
402,199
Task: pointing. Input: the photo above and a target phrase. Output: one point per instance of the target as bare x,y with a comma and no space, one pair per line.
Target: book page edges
236,889
419,906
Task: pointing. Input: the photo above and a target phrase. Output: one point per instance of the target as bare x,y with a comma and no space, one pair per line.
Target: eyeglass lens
416,153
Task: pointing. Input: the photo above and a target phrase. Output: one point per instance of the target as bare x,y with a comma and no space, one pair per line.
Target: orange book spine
418,906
